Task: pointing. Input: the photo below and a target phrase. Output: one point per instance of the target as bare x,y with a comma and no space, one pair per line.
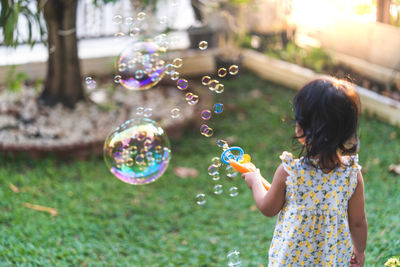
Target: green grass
104,222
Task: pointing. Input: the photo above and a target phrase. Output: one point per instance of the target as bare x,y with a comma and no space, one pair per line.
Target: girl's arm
358,220
268,202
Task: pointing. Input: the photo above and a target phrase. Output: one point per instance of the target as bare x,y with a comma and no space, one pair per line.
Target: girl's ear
299,132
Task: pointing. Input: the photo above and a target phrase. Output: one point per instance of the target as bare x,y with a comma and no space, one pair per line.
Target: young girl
319,197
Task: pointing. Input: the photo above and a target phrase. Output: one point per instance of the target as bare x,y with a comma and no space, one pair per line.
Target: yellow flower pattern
312,227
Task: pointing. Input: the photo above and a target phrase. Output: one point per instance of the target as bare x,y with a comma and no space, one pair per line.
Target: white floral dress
312,227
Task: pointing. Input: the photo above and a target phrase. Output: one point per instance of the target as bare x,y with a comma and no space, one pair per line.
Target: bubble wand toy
241,162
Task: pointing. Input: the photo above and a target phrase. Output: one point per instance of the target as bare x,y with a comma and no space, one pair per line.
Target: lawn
104,222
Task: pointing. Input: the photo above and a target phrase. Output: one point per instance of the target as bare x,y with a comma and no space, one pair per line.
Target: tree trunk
63,82
383,11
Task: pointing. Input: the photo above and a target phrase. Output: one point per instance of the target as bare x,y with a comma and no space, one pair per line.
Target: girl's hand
251,178
357,259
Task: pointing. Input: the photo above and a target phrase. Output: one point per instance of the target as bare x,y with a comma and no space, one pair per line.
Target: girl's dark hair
327,110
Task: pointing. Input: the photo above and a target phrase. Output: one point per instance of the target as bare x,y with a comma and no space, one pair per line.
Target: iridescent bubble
128,20
182,84
233,70
162,41
222,72
218,189
216,161
206,114
141,73
90,83
175,76
212,169
209,132
213,85
203,128
218,108
134,31
139,111
220,88
188,96
216,177
147,112
128,148
201,199
233,191
175,113
141,16
222,143
177,62
194,99
234,259
230,171
206,80
119,34
169,68
117,78
117,19
203,45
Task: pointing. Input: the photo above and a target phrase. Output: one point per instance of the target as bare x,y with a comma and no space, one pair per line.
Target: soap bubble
177,62
119,34
222,72
188,96
201,199
206,114
234,259
134,31
206,80
193,99
233,191
117,19
90,83
128,20
139,111
212,169
220,88
216,161
213,85
175,113
218,108
233,70
117,78
215,176
163,20
138,151
203,45
218,189
175,76
141,16
206,131
222,143
230,171
169,68
147,112
141,65
182,84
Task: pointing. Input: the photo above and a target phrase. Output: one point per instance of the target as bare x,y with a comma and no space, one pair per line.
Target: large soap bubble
141,65
138,151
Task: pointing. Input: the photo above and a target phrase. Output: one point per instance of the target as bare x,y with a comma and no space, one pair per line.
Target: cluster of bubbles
138,151
206,115
145,112
90,83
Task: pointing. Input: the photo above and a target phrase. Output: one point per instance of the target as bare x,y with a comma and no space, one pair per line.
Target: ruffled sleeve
288,162
353,168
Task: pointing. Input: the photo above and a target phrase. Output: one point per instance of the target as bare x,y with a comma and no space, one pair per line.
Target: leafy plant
15,80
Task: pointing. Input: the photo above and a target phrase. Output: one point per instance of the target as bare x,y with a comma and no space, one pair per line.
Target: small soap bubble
182,84
121,67
134,31
220,88
169,68
141,16
203,45
218,108
119,34
139,111
234,259
117,19
201,199
216,161
117,78
128,20
230,171
212,169
177,62
222,143
188,96
222,72
163,20
147,112
233,191
213,85
218,189
206,80
194,99
90,83
175,113
209,132
175,76
233,70
215,176
206,114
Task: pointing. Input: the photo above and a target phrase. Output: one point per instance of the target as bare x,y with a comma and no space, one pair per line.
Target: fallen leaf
185,172
394,168
14,188
53,212
253,208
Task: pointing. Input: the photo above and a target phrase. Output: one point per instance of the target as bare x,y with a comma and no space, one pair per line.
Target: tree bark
383,11
63,82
